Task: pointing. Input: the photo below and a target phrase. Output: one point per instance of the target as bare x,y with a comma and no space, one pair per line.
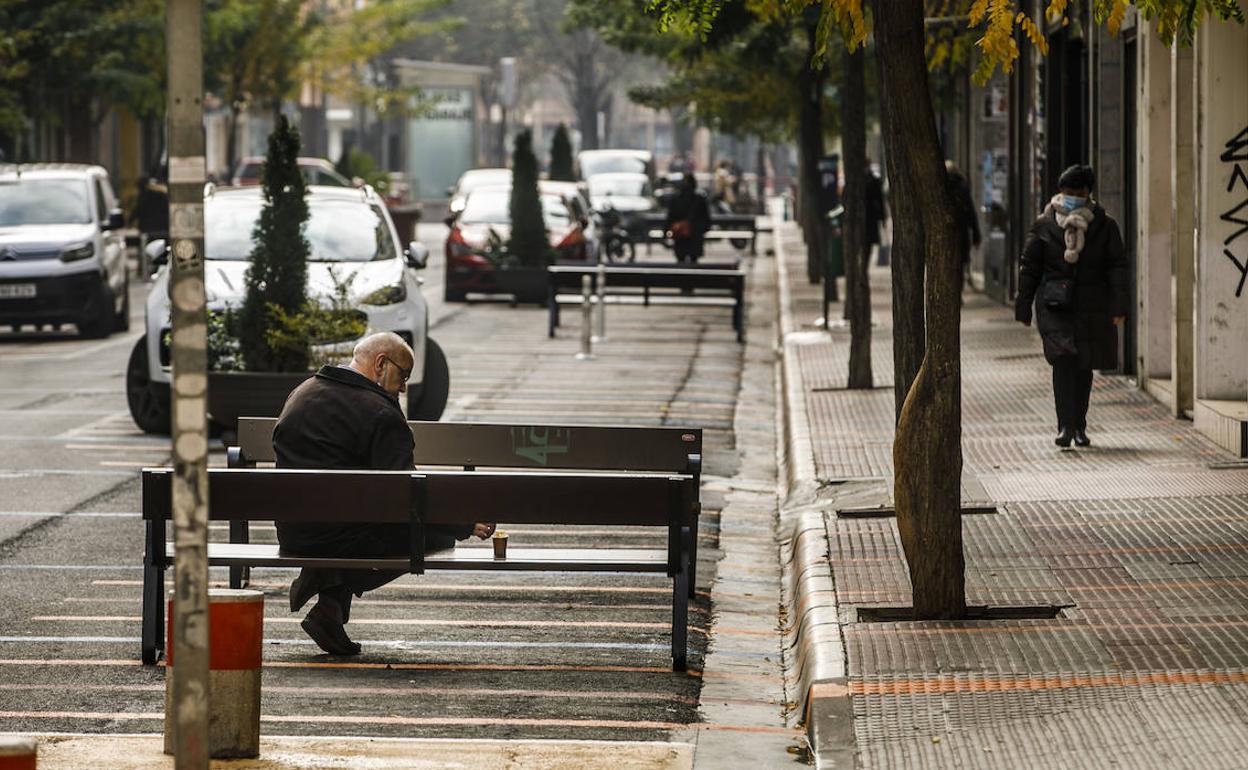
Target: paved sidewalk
1141,540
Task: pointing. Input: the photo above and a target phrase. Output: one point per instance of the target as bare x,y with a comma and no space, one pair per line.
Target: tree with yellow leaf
927,455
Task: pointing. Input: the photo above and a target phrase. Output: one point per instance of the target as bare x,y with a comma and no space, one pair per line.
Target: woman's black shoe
1081,438
1064,438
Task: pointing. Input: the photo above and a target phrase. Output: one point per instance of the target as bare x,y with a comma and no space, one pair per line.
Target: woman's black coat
1102,277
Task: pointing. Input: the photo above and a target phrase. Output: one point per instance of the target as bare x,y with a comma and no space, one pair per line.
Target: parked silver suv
62,251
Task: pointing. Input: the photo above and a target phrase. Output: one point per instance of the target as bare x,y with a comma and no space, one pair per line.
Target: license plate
17,290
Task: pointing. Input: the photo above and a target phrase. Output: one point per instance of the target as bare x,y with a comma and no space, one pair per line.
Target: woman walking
1076,274
688,219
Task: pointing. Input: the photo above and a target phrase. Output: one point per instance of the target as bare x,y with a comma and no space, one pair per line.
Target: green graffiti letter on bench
537,444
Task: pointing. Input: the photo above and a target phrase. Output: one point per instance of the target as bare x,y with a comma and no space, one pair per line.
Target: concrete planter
249,394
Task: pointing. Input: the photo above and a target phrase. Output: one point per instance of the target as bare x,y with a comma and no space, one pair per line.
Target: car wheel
121,322
148,401
102,319
436,387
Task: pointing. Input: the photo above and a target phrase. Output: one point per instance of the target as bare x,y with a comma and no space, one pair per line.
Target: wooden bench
554,495
717,285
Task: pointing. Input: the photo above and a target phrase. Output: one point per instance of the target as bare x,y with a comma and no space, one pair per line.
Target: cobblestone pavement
1141,540
470,657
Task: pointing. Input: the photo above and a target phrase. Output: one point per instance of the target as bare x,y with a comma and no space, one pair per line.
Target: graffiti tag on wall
1237,155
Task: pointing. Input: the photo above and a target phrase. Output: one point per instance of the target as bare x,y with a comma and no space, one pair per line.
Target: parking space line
392,720
423,622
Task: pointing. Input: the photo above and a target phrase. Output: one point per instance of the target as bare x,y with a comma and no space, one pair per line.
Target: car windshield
493,207
44,202
611,164
337,230
617,186
487,207
474,179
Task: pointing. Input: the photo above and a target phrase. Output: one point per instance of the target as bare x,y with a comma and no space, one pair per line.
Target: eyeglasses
405,373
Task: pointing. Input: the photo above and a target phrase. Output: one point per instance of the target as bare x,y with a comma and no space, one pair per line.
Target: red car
480,232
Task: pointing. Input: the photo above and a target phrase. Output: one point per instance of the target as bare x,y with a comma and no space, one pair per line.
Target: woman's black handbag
1058,294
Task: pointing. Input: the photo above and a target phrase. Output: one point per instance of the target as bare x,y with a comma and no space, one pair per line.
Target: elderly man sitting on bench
349,418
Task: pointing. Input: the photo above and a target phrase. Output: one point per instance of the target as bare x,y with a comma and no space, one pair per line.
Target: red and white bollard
235,636
18,752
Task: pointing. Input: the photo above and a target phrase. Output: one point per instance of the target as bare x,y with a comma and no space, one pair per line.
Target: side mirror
417,255
157,252
450,191
116,220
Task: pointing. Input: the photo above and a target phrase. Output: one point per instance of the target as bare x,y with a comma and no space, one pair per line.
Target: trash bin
834,257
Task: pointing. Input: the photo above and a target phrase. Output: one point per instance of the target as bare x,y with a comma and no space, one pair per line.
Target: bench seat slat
520,559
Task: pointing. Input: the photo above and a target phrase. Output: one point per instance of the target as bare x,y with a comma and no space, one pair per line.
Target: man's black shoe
1064,438
1081,438
328,633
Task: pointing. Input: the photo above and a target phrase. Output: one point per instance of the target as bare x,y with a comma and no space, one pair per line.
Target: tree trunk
927,451
810,150
906,261
854,155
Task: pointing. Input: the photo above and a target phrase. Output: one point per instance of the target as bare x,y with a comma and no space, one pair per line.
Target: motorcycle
614,237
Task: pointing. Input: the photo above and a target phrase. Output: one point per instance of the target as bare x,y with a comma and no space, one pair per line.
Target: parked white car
62,252
353,242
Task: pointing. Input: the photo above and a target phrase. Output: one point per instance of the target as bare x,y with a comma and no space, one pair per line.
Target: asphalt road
468,655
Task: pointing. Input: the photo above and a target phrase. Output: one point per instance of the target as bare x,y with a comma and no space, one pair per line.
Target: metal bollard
587,321
601,336
18,752
236,633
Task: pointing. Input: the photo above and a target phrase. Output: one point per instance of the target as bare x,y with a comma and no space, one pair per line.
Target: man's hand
483,529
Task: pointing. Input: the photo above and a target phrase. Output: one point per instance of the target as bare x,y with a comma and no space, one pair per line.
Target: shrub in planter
277,278
561,156
529,245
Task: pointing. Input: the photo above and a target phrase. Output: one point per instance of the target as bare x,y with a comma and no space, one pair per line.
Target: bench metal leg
693,560
152,636
552,312
680,612
240,533
738,315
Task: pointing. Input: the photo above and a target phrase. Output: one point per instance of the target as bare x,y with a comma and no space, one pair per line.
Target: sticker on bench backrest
538,443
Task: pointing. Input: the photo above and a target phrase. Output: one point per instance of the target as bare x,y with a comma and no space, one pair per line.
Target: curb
814,653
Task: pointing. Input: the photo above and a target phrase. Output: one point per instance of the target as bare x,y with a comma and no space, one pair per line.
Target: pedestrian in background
966,215
688,219
876,210
1075,271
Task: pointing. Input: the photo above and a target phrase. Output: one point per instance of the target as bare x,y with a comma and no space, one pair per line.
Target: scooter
614,237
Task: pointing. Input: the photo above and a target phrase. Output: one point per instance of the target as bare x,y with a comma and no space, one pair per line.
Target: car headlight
387,295
76,253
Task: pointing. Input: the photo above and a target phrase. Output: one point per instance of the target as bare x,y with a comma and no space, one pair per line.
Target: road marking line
135,447
404,622
433,603
397,644
385,691
126,463
89,514
622,724
422,586
313,664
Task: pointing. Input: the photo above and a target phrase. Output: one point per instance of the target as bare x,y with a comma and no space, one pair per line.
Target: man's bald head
387,343
385,359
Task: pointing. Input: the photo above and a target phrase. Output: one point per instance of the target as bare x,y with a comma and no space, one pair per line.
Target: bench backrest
435,497
563,447
725,277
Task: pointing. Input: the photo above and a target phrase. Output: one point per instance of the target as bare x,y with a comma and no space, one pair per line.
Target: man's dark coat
340,420
1102,277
